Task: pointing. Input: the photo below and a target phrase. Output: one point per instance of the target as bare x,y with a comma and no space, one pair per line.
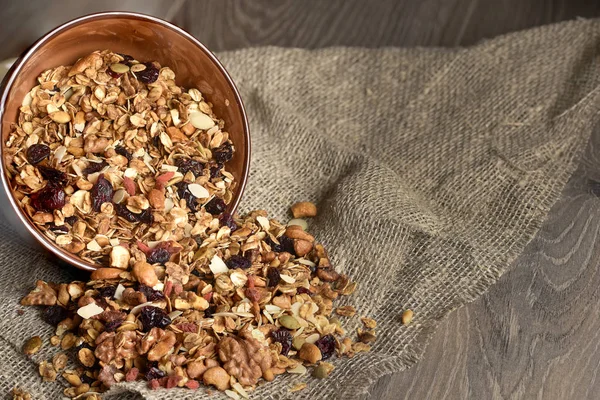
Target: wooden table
536,334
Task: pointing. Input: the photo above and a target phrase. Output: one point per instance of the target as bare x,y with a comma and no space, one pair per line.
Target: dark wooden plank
232,24
23,22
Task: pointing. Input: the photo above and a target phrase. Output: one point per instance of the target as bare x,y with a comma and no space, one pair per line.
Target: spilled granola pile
256,302
118,165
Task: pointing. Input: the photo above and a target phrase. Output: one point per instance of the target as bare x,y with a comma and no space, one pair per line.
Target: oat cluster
132,176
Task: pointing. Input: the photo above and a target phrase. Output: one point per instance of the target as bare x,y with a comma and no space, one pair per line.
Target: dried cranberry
155,373
327,346
302,290
54,176
101,192
238,261
49,198
285,244
112,326
123,212
226,219
159,256
284,337
215,171
107,291
189,164
146,216
216,206
71,220
127,59
121,150
273,277
54,314
95,167
152,317
37,152
151,294
223,153
185,194
113,74
149,75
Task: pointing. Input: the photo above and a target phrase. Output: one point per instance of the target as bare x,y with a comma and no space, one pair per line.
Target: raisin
238,261
223,153
71,220
158,255
127,59
208,313
37,152
185,194
155,373
123,212
54,314
327,346
151,294
112,326
226,219
95,167
152,317
146,216
149,75
215,171
273,277
49,198
107,291
58,229
284,337
285,244
188,164
54,176
302,290
85,378
216,206
121,150
101,192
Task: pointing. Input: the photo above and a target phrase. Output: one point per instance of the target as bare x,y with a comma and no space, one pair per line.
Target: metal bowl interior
147,39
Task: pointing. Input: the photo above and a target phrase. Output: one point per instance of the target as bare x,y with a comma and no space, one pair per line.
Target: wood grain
534,335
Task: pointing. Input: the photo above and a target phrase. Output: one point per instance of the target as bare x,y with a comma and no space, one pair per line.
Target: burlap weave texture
432,170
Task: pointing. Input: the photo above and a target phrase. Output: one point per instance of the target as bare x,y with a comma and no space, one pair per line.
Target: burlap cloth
432,170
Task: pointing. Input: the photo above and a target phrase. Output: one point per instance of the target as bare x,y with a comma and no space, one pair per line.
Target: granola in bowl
109,156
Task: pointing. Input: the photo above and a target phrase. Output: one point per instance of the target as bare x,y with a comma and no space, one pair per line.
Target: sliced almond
90,311
217,265
198,190
201,120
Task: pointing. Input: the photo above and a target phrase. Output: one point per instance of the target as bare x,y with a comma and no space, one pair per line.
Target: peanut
304,209
145,273
310,352
106,273
407,317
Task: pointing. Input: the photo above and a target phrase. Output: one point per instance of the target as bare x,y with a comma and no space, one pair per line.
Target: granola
118,165
239,306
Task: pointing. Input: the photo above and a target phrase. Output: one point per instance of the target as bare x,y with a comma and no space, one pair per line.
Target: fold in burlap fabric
432,170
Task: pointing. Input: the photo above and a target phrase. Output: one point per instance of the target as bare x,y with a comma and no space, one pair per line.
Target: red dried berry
192,384
132,374
273,277
124,152
149,75
226,219
185,194
54,314
113,74
95,167
151,294
102,192
49,198
158,255
216,206
152,317
223,153
186,165
238,261
155,373
215,171
37,152
284,337
54,176
123,212
327,346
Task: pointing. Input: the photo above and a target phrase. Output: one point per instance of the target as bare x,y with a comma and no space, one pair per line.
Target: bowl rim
14,71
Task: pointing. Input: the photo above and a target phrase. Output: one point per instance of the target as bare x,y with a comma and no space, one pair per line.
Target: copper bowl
146,38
